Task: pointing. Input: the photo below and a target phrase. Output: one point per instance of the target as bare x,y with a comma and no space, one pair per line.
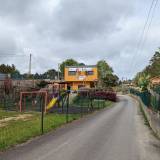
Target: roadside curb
151,117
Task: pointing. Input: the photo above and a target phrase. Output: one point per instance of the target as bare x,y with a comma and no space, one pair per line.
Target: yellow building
81,76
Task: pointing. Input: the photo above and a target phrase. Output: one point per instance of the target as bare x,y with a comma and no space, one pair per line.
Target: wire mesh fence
17,127
150,99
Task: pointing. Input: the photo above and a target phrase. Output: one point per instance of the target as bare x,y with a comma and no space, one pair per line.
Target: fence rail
150,99
17,127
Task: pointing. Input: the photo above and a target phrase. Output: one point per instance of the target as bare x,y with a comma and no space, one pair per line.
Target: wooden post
45,102
20,103
67,108
42,114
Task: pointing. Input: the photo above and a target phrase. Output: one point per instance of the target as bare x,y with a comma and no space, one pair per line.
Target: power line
142,34
145,25
144,30
149,25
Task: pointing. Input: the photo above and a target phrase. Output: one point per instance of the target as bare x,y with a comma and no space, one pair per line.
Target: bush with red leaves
104,95
95,94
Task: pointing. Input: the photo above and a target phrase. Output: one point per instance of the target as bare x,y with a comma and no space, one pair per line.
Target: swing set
35,100
34,97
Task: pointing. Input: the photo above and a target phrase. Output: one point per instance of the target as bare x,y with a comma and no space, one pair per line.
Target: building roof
3,76
157,77
85,66
155,80
58,82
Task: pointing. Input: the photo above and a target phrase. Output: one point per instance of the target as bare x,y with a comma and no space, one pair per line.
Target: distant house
4,76
81,76
155,80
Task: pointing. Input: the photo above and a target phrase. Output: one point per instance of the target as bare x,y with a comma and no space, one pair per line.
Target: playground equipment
23,95
29,100
51,104
61,97
34,100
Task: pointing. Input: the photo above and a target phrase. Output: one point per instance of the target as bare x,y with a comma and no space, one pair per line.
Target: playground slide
51,103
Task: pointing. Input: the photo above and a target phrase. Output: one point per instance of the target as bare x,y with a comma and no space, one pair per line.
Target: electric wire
149,26
145,30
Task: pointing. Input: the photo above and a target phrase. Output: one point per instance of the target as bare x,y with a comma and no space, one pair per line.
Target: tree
110,80
50,74
81,64
153,69
68,62
6,69
137,77
36,76
105,74
42,84
16,75
143,81
103,69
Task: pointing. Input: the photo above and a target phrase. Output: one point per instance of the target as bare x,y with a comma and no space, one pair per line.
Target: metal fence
149,98
17,127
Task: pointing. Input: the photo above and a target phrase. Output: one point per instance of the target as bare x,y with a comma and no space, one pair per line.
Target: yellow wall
74,85
75,80
72,78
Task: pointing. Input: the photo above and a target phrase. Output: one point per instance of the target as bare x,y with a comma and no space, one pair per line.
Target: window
81,86
71,73
89,72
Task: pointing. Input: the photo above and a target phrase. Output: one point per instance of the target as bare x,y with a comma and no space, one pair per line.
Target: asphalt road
117,133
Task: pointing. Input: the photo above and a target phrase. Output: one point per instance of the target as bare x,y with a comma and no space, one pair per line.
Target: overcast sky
86,30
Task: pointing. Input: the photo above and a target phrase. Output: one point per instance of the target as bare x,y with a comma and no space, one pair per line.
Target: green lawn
102,103
5,114
86,102
14,131
18,131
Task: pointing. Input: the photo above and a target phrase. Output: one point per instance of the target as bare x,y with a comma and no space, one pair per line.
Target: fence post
63,100
42,116
67,107
98,104
81,107
91,104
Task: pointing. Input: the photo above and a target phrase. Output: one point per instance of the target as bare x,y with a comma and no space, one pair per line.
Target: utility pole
122,85
58,71
30,60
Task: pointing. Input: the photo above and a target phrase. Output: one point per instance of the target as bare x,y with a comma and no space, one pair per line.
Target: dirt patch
24,117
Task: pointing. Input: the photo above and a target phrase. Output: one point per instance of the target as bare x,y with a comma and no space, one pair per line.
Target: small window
81,86
71,73
89,73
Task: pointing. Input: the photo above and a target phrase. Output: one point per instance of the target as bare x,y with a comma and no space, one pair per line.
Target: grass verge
85,102
5,114
146,122
15,131
19,131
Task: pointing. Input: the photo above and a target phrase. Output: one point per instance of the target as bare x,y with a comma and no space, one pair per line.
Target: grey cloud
87,30
8,43
18,10
86,19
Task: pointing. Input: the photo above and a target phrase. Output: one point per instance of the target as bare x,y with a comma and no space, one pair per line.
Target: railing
149,98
